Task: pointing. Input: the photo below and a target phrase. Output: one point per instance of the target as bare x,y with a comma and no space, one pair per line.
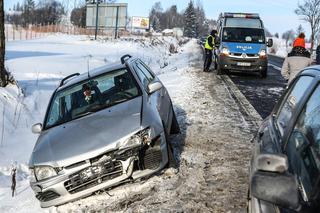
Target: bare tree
3,72
310,12
288,36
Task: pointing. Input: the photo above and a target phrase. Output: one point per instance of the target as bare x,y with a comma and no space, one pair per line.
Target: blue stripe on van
248,48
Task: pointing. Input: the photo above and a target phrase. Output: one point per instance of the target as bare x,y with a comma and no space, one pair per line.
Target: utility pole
117,18
97,2
3,72
97,19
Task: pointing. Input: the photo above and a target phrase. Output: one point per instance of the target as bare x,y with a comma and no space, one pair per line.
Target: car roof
92,73
312,70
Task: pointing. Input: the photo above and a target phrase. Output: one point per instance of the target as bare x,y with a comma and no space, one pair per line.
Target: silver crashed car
102,128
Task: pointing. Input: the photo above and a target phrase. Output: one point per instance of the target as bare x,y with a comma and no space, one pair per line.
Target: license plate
243,64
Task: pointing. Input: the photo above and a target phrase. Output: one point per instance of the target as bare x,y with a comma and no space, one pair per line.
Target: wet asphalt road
263,94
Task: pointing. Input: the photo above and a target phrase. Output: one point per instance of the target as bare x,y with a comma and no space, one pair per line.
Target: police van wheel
263,73
220,71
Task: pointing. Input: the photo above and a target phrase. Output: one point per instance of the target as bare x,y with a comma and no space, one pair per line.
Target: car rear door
161,97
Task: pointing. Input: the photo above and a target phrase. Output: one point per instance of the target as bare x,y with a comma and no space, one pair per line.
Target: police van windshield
244,22
243,35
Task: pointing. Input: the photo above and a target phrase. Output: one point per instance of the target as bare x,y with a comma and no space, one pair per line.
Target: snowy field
213,149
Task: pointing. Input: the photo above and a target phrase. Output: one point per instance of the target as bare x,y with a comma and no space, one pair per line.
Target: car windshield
90,96
243,35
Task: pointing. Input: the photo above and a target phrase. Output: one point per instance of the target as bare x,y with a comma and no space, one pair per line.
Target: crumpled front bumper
88,176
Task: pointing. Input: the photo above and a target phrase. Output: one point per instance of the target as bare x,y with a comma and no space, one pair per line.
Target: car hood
88,136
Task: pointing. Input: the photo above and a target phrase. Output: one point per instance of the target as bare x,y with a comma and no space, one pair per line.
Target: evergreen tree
190,23
202,27
78,16
28,12
154,16
299,30
276,35
155,23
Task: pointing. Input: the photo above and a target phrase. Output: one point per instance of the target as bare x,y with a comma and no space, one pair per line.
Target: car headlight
140,138
225,51
44,172
262,54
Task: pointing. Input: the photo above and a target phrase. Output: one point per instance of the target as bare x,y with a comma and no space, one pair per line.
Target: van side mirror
37,128
270,42
276,188
217,41
154,86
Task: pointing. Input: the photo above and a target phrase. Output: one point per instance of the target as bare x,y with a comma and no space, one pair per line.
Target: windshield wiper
83,114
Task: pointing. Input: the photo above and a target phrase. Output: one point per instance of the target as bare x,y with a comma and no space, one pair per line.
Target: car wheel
171,159
175,129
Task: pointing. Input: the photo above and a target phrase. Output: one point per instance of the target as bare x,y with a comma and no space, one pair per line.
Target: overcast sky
278,15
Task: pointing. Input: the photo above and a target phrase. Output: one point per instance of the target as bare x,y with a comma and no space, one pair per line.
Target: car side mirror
276,188
270,42
272,163
37,128
154,86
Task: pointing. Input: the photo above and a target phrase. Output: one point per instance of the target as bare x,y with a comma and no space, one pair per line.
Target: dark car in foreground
102,128
285,166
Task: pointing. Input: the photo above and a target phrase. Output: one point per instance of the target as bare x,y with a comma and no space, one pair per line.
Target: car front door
290,104
303,150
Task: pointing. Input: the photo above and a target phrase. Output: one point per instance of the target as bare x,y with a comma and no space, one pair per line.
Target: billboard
107,15
140,22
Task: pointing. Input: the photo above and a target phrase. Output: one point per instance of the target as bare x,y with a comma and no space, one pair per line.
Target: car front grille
47,196
93,175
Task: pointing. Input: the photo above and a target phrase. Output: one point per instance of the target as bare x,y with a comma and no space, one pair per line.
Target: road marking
274,66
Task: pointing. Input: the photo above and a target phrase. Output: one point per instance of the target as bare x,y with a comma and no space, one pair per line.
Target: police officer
209,47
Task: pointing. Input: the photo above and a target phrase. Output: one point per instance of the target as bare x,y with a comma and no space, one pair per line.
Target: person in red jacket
300,42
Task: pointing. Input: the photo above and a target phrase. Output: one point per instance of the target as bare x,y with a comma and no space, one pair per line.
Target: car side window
144,75
304,145
291,102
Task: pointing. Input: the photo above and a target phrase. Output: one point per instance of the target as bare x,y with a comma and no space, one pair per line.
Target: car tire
171,159
175,129
263,73
220,71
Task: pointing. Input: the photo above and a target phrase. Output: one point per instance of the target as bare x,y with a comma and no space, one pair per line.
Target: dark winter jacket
318,54
299,51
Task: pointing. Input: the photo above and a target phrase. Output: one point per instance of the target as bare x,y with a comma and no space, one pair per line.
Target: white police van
241,44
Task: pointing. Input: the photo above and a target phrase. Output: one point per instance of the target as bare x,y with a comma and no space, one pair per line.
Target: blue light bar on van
241,15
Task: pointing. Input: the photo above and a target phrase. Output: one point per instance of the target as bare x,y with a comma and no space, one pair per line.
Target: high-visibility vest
207,46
